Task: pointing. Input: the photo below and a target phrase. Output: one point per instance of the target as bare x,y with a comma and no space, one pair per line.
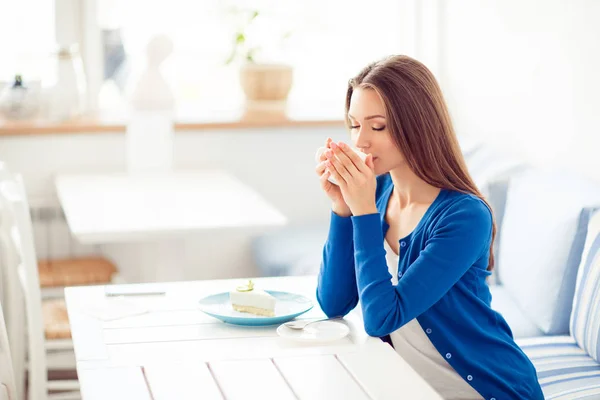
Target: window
330,41
27,40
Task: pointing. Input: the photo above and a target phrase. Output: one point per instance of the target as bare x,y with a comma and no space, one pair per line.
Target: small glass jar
20,100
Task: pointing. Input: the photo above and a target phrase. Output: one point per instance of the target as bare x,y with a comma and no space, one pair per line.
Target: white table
176,351
160,208
121,207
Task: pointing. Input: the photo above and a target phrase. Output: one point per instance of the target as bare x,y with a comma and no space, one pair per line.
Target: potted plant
266,85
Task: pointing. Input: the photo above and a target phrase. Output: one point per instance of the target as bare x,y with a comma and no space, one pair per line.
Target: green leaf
234,50
230,58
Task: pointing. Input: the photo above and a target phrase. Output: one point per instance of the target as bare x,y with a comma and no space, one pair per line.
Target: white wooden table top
122,207
175,351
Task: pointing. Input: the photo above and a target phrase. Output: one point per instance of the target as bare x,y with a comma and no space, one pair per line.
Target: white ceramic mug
322,150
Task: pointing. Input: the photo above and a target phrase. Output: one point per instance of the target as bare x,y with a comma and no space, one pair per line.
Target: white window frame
82,29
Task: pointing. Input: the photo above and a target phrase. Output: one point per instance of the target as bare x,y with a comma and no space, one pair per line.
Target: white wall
524,74
278,163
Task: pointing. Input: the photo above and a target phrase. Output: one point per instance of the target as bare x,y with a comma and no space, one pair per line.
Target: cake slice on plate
248,299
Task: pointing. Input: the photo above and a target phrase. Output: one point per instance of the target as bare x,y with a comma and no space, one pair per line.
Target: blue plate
287,307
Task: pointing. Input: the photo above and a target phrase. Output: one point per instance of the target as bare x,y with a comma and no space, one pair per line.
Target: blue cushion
495,193
520,325
564,370
541,242
491,168
286,251
585,319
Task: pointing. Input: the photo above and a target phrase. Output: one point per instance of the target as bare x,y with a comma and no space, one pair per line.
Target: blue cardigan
441,282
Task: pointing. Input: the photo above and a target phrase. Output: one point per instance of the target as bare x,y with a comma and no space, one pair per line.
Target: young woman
411,238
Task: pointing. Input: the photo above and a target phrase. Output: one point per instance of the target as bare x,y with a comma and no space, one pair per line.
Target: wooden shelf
117,124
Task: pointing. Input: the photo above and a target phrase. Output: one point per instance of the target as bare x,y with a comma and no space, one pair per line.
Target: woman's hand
338,206
356,179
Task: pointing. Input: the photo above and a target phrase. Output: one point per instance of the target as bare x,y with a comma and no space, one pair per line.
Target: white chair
21,271
54,276
12,294
8,389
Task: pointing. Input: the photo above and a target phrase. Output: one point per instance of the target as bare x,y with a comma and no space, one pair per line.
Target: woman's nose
360,140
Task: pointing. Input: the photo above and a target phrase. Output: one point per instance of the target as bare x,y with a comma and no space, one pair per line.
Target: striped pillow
585,318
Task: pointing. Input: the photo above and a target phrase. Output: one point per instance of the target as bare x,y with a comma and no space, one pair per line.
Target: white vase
66,98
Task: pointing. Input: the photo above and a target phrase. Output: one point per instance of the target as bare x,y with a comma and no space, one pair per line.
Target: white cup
322,150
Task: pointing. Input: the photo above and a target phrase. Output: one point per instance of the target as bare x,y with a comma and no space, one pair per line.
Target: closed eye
375,129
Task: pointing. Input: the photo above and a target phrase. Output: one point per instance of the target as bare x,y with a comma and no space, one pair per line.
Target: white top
412,343
122,207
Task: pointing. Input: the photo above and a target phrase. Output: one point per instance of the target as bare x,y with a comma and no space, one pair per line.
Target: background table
160,208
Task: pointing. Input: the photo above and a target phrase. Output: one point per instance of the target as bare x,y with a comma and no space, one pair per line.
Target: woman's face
369,131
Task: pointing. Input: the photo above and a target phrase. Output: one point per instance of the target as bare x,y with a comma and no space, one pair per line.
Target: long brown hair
420,124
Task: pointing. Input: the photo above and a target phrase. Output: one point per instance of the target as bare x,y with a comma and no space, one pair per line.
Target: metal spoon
301,324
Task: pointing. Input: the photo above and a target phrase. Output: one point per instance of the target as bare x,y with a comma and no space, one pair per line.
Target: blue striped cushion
585,318
565,371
